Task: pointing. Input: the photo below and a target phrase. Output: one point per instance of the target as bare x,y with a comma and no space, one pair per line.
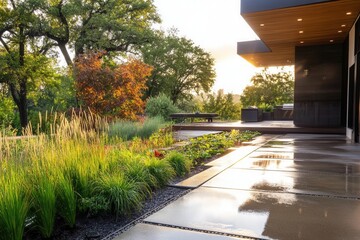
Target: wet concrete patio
289,186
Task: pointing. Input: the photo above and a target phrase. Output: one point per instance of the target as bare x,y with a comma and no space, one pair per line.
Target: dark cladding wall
318,86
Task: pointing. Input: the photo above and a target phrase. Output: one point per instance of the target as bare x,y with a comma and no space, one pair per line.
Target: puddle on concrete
264,215
272,155
292,182
339,167
277,149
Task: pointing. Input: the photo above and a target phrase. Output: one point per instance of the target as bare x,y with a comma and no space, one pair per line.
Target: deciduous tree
22,58
180,67
29,30
222,104
80,25
114,91
269,89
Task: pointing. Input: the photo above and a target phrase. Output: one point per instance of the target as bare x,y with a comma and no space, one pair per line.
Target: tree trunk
65,53
23,111
22,93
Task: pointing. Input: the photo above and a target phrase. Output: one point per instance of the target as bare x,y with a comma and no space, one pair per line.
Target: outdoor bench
208,116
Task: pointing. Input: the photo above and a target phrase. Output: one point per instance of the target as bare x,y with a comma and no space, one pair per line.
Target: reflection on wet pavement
152,232
304,187
294,182
264,215
339,167
272,155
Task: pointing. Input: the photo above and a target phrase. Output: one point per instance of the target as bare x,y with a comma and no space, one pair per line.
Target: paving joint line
203,231
142,217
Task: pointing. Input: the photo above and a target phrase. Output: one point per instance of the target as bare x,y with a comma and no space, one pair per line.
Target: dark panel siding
318,85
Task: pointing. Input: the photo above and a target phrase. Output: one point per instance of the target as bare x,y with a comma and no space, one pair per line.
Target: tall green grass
66,200
124,196
77,168
179,162
14,207
44,203
128,130
161,170
74,168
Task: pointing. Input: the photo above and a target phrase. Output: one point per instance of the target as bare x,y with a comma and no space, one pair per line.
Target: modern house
321,38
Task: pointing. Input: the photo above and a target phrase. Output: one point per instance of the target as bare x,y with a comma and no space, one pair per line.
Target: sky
216,26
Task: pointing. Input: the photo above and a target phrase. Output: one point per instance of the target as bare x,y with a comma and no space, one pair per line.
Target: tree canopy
23,64
269,89
31,31
112,25
180,67
113,91
222,104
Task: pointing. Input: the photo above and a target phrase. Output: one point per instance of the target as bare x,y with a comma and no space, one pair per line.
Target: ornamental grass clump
127,130
161,170
44,203
179,162
136,171
66,199
150,126
124,196
14,206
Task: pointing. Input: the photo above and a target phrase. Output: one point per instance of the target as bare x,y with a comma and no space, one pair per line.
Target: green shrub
94,205
179,162
160,106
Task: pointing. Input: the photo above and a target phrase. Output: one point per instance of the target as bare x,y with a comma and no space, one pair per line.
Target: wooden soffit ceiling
281,30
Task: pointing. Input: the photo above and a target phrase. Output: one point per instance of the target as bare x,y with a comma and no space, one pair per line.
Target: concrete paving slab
152,232
339,167
233,157
264,215
325,155
291,182
313,137
200,178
